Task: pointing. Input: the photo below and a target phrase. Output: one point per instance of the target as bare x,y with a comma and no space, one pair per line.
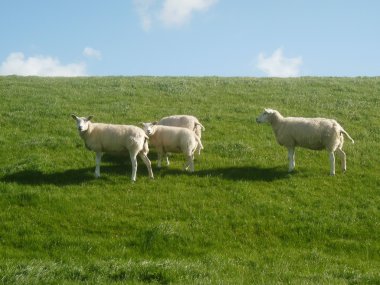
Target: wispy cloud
145,9
178,12
171,13
277,65
91,52
17,64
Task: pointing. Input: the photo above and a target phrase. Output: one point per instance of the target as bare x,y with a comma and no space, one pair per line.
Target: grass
239,219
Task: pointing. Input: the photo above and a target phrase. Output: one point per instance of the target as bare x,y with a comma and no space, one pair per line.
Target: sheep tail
199,124
342,131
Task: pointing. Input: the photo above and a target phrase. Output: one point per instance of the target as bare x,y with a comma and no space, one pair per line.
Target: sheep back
114,138
173,139
312,133
183,121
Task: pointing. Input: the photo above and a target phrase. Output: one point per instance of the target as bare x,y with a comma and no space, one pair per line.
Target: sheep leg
199,149
159,158
190,163
332,163
147,162
134,166
98,160
291,158
167,159
342,158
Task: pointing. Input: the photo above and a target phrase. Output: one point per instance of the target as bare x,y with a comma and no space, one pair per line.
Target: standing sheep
184,121
116,139
173,139
311,133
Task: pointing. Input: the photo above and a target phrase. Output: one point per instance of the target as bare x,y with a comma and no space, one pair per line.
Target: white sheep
173,139
183,121
115,139
311,133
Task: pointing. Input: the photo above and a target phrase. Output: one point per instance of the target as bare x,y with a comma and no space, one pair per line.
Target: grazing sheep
173,139
311,133
116,139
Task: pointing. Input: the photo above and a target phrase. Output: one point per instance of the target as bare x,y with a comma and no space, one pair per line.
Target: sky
243,38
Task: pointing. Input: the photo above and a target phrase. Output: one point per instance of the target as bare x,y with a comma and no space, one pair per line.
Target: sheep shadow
110,165
71,176
36,177
246,173
238,173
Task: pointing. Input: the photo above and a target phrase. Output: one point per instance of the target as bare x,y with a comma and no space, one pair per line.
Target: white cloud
144,9
17,64
90,52
277,65
178,12
172,13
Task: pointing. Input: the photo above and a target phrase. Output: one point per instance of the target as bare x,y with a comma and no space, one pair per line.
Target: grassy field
239,219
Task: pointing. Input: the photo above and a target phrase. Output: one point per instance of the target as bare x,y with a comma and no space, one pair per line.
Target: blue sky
190,37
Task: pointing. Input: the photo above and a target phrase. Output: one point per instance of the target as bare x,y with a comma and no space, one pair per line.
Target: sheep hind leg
189,165
148,164
167,159
342,156
291,158
98,160
134,166
332,163
159,158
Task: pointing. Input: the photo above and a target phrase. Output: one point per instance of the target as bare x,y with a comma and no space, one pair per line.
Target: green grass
239,219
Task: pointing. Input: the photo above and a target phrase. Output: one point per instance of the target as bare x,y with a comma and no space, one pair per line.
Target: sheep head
266,116
82,122
149,128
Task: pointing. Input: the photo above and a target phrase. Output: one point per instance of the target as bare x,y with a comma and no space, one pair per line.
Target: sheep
184,121
115,139
173,139
311,133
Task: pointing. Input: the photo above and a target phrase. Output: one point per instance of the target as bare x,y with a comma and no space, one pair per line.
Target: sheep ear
74,117
89,118
269,111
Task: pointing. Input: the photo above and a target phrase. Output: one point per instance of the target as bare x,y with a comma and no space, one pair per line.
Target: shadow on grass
35,177
71,176
238,173
114,165
247,173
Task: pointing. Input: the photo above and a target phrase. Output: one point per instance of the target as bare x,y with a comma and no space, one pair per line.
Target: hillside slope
239,219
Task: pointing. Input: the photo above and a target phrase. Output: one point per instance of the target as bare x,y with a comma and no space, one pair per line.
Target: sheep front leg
332,163
98,160
291,158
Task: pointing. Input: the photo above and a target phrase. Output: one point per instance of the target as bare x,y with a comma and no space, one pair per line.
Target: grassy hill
239,219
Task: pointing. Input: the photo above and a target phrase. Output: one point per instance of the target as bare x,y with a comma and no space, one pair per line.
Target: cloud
17,64
144,10
90,52
178,12
277,65
171,13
